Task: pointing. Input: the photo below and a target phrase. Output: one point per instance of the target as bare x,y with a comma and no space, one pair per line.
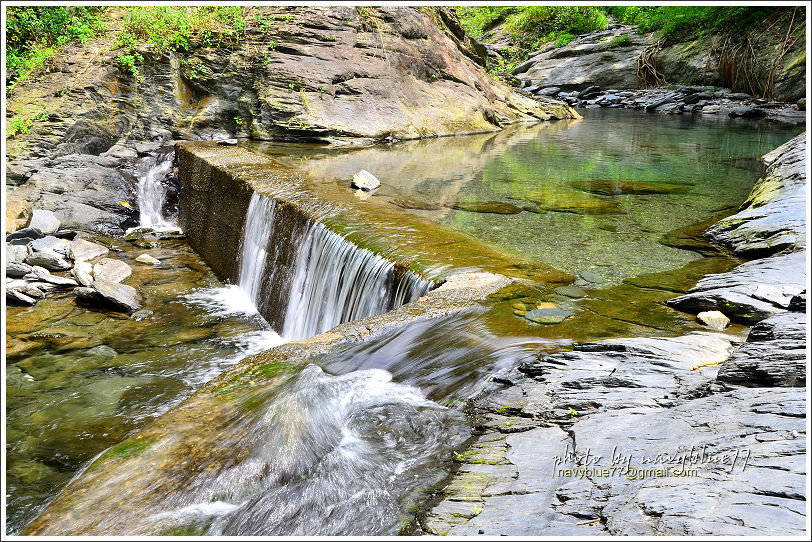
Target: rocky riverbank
622,68
691,435
676,99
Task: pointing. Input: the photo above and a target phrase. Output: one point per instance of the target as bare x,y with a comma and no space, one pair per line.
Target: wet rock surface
774,355
690,435
773,219
740,293
772,223
608,407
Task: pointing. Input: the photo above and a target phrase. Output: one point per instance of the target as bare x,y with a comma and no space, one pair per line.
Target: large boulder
335,72
83,250
110,270
773,219
591,59
774,354
750,292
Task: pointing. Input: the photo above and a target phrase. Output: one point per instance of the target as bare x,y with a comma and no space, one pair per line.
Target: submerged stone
617,188
547,315
570,201
495,207
570,291
412,203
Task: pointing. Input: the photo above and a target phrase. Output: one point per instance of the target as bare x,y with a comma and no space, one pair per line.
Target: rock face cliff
769,61
314,74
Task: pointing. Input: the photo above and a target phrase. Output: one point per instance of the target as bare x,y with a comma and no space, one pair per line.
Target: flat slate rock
111,294
734,292
111,270
633,400
774,354
773,219
29,233
82,250
48,260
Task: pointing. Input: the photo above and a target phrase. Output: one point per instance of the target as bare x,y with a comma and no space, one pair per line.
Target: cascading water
335,281
152,191
306,279
257,233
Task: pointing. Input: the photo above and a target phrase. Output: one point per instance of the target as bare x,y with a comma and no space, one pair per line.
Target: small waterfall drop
335,281
305,279
257,234
152,190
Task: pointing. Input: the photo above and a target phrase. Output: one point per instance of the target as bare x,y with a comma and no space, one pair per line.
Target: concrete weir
309,257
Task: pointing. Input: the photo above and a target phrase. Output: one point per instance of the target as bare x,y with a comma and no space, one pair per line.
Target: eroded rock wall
315,73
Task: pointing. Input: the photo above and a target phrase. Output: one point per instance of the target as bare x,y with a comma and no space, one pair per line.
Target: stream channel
352,443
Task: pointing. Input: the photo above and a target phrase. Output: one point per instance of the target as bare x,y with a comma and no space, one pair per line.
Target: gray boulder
29,234
773,219
16,297
82,250
44,221
17,269
735,292
48,260
110,294
110,270
50,243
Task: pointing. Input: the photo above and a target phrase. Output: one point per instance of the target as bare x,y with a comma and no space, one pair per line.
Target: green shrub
676,23
619,41
129,63
33,34
563,39
21,124
174,28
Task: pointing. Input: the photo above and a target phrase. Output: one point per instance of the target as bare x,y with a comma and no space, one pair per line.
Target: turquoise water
593,195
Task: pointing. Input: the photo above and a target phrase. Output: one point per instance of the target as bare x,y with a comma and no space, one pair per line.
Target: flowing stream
350,442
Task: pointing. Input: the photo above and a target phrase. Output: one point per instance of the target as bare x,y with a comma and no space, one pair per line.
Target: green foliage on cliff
677,23
175,28
530,26
34,33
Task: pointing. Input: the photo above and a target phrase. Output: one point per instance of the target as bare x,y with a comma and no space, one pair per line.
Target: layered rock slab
624,403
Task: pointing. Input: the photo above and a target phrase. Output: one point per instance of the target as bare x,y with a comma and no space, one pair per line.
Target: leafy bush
532,26
619,41
564,39
21,124
129,63
34,33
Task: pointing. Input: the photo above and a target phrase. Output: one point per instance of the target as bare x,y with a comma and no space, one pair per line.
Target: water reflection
598,194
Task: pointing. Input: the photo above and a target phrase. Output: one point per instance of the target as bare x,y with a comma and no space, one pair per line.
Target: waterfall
257,233
152,191
335,281
305,279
